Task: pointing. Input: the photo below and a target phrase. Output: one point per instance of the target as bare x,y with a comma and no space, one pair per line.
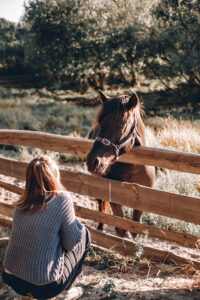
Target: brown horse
117,128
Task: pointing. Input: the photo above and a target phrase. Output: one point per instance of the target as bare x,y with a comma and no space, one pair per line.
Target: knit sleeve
71,228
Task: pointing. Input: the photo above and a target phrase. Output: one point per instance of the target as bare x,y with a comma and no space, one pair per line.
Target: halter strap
108,143
115,147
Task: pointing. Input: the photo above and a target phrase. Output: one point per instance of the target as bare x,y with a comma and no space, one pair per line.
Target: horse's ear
133,101
103,98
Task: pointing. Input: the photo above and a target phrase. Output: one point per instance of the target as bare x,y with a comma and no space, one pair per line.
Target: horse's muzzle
96,165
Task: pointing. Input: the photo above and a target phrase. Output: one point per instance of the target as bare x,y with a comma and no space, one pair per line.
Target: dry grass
170,133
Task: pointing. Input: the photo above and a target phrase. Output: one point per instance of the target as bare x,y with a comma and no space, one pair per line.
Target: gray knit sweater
36,249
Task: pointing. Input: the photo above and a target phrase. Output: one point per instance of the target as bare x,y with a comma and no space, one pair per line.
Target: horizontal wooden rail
6,209
179,161
183,239
11,187
135,196
47,141
5,221
129,248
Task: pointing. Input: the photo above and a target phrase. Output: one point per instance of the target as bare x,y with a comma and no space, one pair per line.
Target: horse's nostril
96,162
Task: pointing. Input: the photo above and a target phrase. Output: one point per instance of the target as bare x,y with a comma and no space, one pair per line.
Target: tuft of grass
114,262
109,286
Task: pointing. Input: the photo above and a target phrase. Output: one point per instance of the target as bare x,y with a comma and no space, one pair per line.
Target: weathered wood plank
181,238
180,161
128,248
184,239
6,209
169,159
135,196
13,168
41,140
5,221
11,187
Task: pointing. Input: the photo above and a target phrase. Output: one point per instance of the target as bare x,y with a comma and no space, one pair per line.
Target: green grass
29,111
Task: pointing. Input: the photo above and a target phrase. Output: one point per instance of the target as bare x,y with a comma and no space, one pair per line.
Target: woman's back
48,244
35,252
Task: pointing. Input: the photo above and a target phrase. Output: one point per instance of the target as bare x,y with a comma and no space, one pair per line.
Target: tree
88,41
174,45
11,46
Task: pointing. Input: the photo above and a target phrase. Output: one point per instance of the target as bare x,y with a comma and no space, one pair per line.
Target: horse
117,128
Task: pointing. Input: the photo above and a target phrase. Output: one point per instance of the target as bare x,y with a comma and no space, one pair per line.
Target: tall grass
174,134
32,112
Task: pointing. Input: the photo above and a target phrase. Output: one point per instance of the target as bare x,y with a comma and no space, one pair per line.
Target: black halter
129,138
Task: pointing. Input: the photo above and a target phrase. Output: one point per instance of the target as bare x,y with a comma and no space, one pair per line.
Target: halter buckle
105,142
117,149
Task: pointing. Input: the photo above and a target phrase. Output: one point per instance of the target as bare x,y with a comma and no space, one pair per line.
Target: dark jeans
73,261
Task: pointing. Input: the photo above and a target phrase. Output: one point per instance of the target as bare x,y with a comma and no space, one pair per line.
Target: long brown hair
42,182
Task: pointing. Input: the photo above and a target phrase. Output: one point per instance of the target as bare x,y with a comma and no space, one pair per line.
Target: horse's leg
103,206
100,207
118,211
136,217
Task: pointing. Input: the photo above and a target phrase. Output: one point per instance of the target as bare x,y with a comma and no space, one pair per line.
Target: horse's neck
141,130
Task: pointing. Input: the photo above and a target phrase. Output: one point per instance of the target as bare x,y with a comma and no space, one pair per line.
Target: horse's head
115,131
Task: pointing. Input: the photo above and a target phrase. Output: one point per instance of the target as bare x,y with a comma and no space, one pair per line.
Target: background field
107,275
52,64
62,112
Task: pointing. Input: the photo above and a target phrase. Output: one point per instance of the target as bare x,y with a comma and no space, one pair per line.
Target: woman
48,244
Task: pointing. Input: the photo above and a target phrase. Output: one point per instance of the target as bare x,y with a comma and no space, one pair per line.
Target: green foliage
90,42
53,29
82,44
28,111
173,45
11,46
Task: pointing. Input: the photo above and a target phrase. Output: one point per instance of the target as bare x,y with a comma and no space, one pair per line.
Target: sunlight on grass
179,135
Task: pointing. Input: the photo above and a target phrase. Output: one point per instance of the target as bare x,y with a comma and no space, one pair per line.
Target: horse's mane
118,107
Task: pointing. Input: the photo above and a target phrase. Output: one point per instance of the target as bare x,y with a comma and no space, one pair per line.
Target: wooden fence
134,195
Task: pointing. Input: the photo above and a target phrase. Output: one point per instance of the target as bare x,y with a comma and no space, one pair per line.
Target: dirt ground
107,275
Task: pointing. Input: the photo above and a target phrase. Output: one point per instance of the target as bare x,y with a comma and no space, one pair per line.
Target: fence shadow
160,294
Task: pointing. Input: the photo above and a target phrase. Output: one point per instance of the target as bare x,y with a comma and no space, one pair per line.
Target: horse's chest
143,175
